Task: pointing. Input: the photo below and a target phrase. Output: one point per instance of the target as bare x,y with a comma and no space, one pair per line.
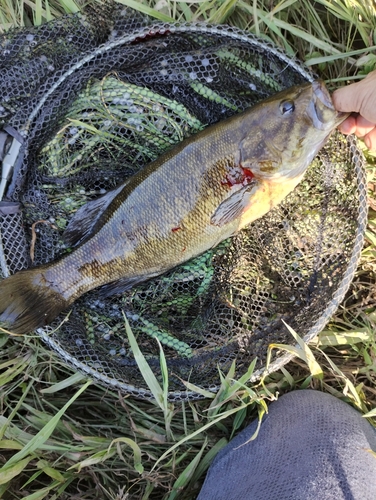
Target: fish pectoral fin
235,205
83,221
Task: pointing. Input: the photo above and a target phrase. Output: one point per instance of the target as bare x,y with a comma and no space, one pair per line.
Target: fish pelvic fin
26,305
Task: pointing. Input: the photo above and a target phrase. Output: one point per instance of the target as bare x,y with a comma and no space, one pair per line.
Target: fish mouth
321,110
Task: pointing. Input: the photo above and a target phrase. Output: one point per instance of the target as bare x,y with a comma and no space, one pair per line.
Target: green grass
329,35
62,437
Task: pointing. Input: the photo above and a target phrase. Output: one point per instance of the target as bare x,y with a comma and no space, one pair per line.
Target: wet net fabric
310,445
94,98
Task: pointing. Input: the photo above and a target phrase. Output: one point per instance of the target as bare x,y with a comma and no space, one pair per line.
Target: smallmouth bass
191,198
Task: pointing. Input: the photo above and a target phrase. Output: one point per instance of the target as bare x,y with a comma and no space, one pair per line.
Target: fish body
190,199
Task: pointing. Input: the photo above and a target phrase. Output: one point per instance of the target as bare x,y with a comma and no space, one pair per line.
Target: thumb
358,97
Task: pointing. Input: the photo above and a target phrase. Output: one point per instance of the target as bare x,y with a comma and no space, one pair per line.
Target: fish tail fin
27,302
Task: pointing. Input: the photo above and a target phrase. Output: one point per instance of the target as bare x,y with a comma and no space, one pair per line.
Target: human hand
360,99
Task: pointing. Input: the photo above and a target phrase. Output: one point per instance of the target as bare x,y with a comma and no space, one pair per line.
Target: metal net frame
89,100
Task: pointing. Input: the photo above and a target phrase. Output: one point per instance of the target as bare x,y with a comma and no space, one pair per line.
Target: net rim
266,45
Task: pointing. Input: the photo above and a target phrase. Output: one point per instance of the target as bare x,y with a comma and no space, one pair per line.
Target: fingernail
368,142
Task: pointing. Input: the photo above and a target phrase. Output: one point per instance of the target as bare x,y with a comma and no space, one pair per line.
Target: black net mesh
97,97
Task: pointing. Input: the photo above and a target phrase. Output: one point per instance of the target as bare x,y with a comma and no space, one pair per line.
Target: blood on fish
227,182
175,229
238,175
247,173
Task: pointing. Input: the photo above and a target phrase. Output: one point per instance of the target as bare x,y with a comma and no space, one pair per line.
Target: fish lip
321,99
342,115
321,93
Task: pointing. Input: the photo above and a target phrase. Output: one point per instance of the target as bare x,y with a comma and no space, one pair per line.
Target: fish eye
287,107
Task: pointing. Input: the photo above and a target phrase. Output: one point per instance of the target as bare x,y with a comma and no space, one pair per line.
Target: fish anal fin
235,205
83,221
119,286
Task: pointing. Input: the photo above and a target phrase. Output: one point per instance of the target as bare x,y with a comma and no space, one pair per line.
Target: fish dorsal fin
83,221
235,205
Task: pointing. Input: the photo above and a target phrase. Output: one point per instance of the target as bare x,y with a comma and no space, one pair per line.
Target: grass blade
187,474
64,384
133,4
302,351
147,374
44,433
11,470
136,452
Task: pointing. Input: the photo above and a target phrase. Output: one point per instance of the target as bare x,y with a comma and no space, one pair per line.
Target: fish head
292,126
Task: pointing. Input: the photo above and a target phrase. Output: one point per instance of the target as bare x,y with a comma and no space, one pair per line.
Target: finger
348,126
346,98
370,140
363,126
